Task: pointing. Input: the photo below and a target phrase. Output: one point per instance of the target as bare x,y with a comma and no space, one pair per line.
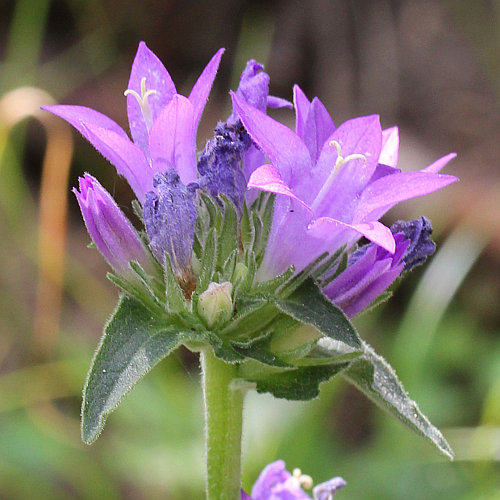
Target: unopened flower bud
215,304
113,234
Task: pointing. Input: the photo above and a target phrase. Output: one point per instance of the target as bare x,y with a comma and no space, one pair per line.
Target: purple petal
358,136
381,171
390,147
79,116
273,474
199,93
267,178
244,496
327,228
386,192
289,242
301,104
278,102
128,159
439,164
373,291
282,146
318,127
325,491
147,65
172,139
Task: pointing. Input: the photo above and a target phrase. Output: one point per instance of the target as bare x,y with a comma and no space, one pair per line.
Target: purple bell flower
331,183
163,124
113,234
276,483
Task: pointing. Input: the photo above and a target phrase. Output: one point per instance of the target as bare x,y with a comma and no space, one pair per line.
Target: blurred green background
432,67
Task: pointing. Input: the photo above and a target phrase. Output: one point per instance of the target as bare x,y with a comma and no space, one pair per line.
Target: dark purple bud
421,246
220,163
169,216
253,87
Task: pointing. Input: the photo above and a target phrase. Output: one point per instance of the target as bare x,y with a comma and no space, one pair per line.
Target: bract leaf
134,341
308,305
299,384
372,375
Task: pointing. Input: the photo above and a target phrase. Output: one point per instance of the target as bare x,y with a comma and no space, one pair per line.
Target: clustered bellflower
250,253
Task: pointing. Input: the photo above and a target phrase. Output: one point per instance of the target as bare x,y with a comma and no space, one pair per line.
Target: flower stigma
304,480
143,101
339,163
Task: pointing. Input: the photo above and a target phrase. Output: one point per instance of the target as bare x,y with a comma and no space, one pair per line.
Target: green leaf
327,351
308,305
134,341
299,384
371,374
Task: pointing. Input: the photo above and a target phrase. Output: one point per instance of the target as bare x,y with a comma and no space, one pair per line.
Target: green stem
223,421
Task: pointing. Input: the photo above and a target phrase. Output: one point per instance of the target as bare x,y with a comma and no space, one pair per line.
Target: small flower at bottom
276,483
112,233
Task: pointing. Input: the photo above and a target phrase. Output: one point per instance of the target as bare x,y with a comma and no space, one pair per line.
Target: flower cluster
252,248
332,185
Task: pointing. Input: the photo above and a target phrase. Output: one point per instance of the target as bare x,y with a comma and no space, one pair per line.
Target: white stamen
143,102
339,163
304,480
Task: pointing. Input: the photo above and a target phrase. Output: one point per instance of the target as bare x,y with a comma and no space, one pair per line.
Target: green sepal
174,297
137,209
247,229
264,206
273,284
143,294
253,315
208,262
134,341
298,384
228,233
308,305
371,374
229,266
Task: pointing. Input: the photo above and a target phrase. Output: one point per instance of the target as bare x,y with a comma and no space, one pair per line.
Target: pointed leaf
133,343
372,375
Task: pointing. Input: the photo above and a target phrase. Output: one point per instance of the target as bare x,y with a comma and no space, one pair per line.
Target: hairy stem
223,422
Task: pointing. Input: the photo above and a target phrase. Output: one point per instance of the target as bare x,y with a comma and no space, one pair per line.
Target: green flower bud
215,304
